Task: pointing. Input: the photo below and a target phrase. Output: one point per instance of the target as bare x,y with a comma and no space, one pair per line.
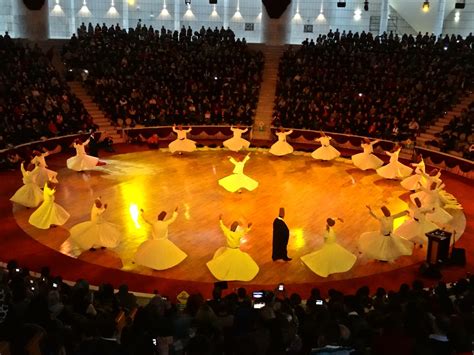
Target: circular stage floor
155,180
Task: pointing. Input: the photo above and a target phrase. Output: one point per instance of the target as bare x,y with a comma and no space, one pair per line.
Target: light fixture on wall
214,14
460,4
426,6
112,11
366,5
131,2
164,14
188,15
84,11
457,16
357,14
321,16
57,10
237,17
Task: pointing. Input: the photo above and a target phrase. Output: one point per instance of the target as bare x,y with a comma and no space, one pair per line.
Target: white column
226,14
177,15
384,12
30,24
276,32
125,24
438,28
72,18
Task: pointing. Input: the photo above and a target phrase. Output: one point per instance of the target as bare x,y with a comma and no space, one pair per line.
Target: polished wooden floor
155,180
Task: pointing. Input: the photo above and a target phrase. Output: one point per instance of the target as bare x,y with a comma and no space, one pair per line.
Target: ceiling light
426,6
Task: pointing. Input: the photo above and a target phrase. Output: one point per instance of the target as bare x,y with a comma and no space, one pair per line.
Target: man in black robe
281,234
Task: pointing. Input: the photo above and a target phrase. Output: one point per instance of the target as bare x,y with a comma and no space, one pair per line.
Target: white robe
281,147
415,229
97,232
49,213
238,180
43,175
414,182
394,169
182,144
326,151
236,143
331,258
433,199
29,195
159,253
384,245
367,160
230,263
81,161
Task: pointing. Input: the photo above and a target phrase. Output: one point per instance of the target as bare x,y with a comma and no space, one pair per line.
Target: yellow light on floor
298,238
134,213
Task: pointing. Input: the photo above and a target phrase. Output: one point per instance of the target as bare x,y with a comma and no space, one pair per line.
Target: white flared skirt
394,170
439,216
182,145
159,254
235,144
82,162
325,153
42,175
90,234
235,182
366,161
29,195
281,148
49,213
330,259
232,265
416,230
413,182
374,245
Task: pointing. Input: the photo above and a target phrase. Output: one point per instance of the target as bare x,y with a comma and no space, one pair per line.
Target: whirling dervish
182,143
282,147
367,160
331,258
415,229
238,180
394,169
236,143
326,151
433,199
29,195
159,253
418,179
81,161
49,213
230,263
97,232
42,175
384,245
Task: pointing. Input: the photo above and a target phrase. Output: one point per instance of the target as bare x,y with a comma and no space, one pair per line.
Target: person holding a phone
230,263
281,235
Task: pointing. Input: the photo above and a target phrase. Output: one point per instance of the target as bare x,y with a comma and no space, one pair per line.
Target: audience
34,101
77,320
152,77
384,86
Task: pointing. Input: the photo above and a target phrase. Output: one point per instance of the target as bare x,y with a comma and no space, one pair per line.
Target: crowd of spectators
76,320
458,135
34,101
159,77
380,86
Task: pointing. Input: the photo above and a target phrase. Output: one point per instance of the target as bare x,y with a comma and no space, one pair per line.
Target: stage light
426,6
84,11
341,4
164,14
237,15
188,15
57,10
297,18
366,6
460,4
321,16
214,13
112,11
